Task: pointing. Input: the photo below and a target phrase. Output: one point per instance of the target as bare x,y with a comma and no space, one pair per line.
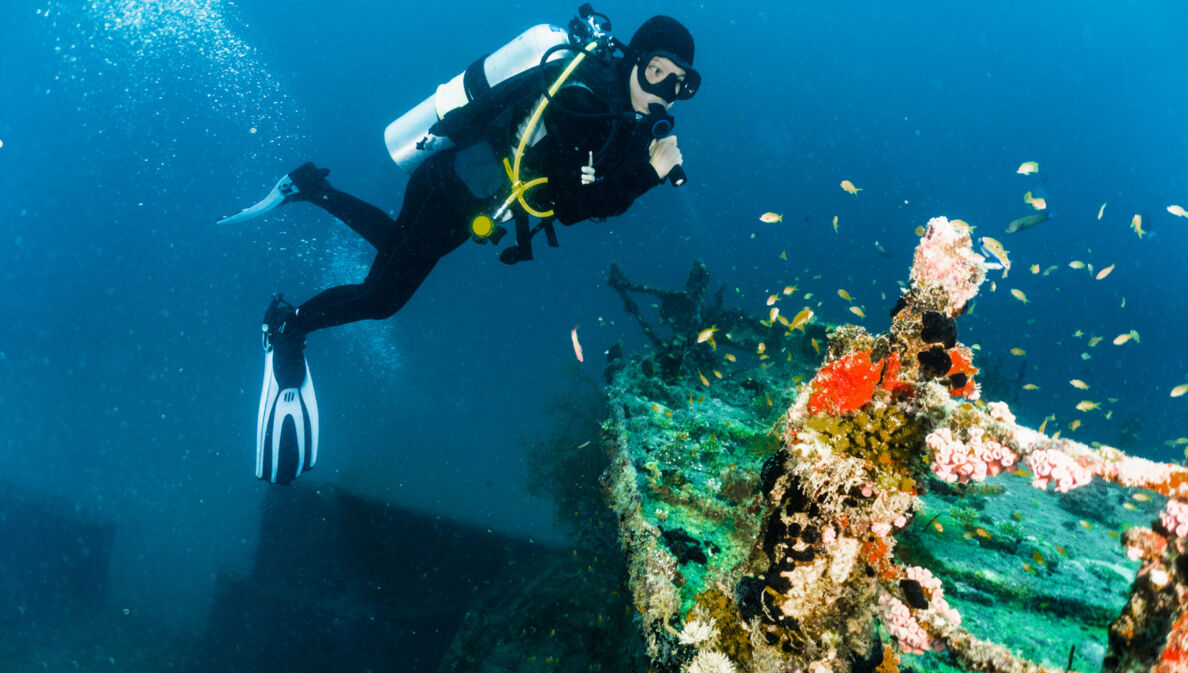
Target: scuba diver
559,124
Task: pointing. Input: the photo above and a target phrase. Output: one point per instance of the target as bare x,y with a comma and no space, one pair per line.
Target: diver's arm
611,195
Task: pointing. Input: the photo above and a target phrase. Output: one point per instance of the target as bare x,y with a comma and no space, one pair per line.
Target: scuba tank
409,140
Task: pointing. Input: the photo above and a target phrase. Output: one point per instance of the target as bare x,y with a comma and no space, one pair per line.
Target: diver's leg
369,221
432,223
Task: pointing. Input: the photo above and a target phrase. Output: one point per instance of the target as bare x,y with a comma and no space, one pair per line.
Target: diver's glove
588,171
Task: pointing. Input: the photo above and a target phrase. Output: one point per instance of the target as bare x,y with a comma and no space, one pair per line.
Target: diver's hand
588,171
664,155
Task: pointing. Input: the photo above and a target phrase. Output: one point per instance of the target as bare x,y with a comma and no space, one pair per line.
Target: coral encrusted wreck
759,557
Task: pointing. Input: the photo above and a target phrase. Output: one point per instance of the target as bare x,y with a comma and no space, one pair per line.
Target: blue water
129,356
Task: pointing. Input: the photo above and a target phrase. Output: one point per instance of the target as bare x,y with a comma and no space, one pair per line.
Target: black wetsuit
444,194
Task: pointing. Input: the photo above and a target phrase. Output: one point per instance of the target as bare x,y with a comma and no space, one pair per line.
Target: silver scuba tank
408,138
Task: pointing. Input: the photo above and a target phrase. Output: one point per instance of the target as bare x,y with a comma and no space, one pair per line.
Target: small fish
1016,516
1039,558
1035,268
1076,423
1018,294
1030,386
762,347
1044,424
783,320
1123,338
1101,211
1093,341
789,289
775,311
992,248
1141,497
1129,506
835,222
1114,534
1037,203
1179,390
1027,168
849,187
1018,351
808,296
1086,405
783,254
844,295
1086,356
801,319
1076,264
730,357
881,250
706,334
920,230
1104,272
704,381
768,398
1085,524
1078,383
983,534
857,310
577,347
1136,223
1177,211
771,218
936,525
1060,549
717,374
1027,222
772,299
817,348
1029,568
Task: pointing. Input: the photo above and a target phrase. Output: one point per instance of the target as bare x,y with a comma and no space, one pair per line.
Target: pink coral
935,593
900,623
1174,517
945,258
957,461
1054,466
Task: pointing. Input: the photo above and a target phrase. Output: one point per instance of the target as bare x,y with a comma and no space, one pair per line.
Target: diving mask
672,88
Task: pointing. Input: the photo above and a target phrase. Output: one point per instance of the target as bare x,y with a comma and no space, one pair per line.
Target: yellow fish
849,187
801,319
789,289
1086,356
991,247
1086,405
1035,268
1129,506
704,381
1018,294
1078,334
762,347
1029,568
1018,351
771,218
1076,264
730,357
772,299
920,230
983,534
707,334
783,254
717,374
1093,341
1037,203
1039,558
1044,425
1105,272
1123,338
775,311
1179,390
1027,168
783,320
1086,525
844,295
1141,497
1078,383
1101,211
835,222
1136,223
817,348
1177,210
1030,386
857,310
1076,423
1049,270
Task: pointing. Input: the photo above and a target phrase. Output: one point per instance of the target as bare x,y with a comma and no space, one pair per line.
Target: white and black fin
287,431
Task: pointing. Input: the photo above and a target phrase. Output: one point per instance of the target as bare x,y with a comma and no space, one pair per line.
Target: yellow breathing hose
519,188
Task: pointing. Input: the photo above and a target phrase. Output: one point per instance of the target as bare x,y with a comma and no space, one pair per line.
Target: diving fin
292,187
287,427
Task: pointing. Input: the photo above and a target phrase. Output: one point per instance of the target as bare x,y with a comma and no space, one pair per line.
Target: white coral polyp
698,633
711,662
